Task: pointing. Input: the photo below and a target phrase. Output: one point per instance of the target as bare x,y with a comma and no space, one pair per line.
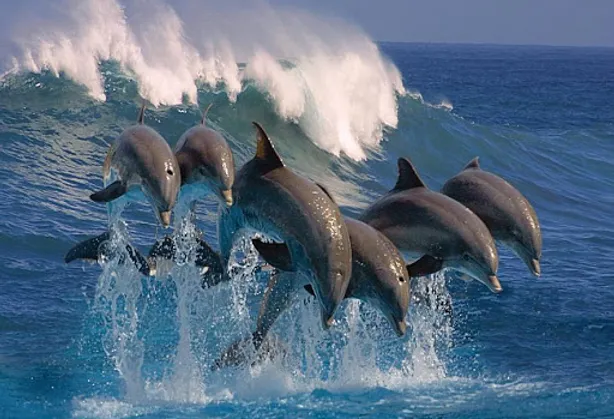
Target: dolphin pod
307,240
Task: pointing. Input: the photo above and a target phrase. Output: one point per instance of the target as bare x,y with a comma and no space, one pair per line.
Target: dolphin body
379,277
449,235
140,159
506,212
271,199
207,166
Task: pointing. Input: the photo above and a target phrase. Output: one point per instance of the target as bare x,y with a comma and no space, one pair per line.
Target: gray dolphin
379,277
205,159
419,220
272,199
506,212
141,158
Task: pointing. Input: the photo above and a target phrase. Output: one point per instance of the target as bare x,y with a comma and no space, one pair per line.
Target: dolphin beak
400,328
327,322
495,285
535,267
227,194
165,217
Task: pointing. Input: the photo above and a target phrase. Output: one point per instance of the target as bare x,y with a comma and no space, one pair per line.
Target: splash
360,351
325,76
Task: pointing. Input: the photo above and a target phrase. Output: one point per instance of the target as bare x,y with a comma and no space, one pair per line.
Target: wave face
333,81
101,341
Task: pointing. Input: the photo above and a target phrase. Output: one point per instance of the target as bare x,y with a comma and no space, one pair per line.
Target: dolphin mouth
165,218
535,267
227,195
495,285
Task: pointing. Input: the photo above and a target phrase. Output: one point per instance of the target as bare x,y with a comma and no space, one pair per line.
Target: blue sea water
83,340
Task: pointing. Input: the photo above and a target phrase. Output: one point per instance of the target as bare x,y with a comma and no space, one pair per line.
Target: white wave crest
326,76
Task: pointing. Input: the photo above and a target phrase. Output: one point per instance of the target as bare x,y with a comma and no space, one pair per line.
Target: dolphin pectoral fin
141,118
205,112
310,290
140,262
408,176
275,254
473,164
87,249
111,192
426,265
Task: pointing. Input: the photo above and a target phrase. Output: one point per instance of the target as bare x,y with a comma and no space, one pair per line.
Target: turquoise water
84,341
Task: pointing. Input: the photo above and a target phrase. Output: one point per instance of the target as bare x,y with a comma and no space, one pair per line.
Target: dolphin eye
466,257
401,279
170,172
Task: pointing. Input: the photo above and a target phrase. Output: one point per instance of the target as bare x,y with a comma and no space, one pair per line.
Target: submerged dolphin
419,220
379,277
141,158
506,212
272,199
205,159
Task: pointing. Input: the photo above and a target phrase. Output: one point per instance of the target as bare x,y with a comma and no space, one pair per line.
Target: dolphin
207,165
379,277
271,199
448,234
205,159
141,159
138,159
506,212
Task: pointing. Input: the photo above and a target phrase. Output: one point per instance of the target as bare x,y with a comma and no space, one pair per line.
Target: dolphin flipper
111,192
91,249
275,254
426,265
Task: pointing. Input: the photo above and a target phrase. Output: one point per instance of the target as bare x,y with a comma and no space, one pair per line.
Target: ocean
90,341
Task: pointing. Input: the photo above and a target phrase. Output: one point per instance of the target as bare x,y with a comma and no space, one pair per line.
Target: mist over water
325,76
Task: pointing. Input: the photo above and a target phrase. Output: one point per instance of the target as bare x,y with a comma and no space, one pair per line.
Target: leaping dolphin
448,234
379,277
271,199
205,159
506,212
141,159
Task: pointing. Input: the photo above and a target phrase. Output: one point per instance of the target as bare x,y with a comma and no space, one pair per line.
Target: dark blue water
80,341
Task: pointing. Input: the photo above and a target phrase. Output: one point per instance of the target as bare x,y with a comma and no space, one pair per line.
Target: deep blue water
541,117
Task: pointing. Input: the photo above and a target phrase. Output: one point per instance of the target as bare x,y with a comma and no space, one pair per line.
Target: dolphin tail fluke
111,192
254,348
426,265
275,254
207,259
87,249
91,249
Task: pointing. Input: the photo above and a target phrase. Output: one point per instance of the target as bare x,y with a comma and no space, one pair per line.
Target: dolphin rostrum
506,212
419,220
272,199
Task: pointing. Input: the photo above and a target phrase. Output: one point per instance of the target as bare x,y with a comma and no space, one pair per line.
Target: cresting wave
325,76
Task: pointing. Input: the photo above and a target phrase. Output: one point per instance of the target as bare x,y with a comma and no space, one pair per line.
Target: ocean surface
90,341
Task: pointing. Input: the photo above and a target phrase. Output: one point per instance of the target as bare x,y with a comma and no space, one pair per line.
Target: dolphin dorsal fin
408,176
325,191
203,120
141,117
473,164
265,150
